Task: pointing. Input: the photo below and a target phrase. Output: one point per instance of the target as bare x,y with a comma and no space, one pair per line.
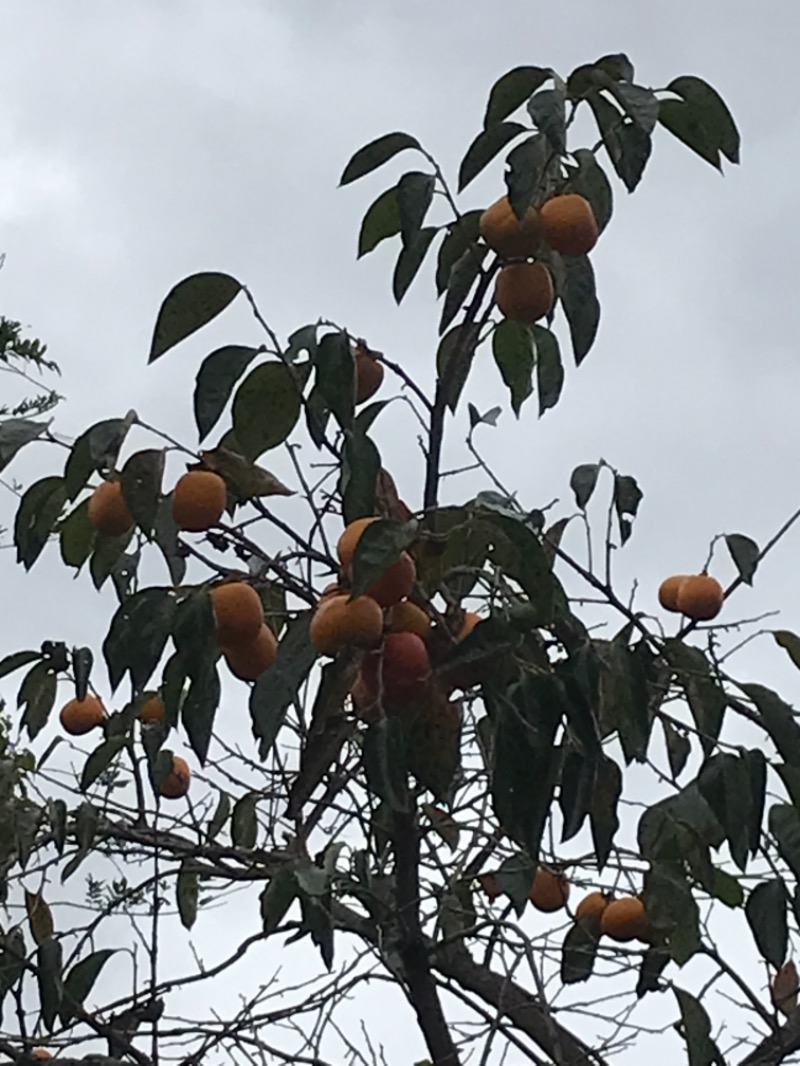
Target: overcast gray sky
143,142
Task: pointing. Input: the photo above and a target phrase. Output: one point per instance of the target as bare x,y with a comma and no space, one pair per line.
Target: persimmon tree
526,830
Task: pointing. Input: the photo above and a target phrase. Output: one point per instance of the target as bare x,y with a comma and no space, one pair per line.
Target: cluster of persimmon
622,918
565,223
697,596
394,633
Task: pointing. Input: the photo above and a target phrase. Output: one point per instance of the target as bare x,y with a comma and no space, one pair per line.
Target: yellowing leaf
40,917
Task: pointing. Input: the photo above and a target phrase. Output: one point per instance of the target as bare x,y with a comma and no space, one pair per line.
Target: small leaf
214,383
188,306
785,639
511,91
141,486
266,406
515,354
766,914
583,481
414,194
745,554
381,221
97,448
549,369
484,148
40,917
375,154
221,815
36,696
186,892
547,108
627,497
679,748
277,688
410,259
580,303
653,965
244,824
379,546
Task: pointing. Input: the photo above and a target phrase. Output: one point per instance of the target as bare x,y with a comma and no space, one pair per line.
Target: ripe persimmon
107,510
407,617
176,783
82,716
549,891
41,1053
339,621
238,611
489,886
524,292
568,224
625,919
346,545
395,583
152,709
591,908
668,591
509,236
468,623
369,373
700,597
400,669
249,660
198,500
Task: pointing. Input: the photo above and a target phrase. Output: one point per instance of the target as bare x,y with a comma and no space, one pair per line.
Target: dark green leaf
709,109
696,1030
679,748
186,892
277,688
757,772
214,383
165,534
381,221
336,376
547,108
514,352
653,965
410,259
266,406
705,696
361,464
141,486
779,720
580,303
80,981
17,660
463,274
138,635
277,898
616,66
100,760
244,824
514,878
680,120
638,103
189,305
627,497
76,536
194,631
520,553
784,824
628,146
385,765
15,433
724,783
109,558
375,154
303,339
511,91
39,510
414,194
575,791
199,708
791,642
589,180
48,977
528,171
578,953
745,553
36,696
454,361
378,547
97,448
484,148
583,481
221,815
549,369
461,235
605,796
766,915
672,908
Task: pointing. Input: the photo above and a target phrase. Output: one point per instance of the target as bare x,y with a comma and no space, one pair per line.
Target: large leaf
96,449
385,762
724,783
784,824
214,383
454,360
529,172
511,91
484,148
100,759
638,103
190,305
375,154
37,514
462,277
709,117
277,688
779,719
515,354
547,108
199,708
605,796
49,980
766,914
705,696
266,406
578,953
76,536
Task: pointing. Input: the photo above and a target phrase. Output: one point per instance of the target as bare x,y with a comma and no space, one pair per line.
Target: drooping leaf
511,91
361,464
672,908
638,103
605,796
277,898
589,180
76,536
454,360
705,696
385,765
186,893
138,635
277,687
36,697
410,259
745,554
381,221
680,119
244,823
791,642
484,148
578,953
766,914
724,783
100,759
49,980
245,480
779,720
710,113
266,406
514,878
188,306
575,790
220,817
17,660
696,1030
15,433
80,981
583,481
627,144
528,175
199,708
95,449
414,194
461,235
547,108
654,963
110,558
627,497
375,154
549,368
335,376
580,303
463,275
214,383
141,486
40,917
378,547
37,514
784,824
515,354
679,748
